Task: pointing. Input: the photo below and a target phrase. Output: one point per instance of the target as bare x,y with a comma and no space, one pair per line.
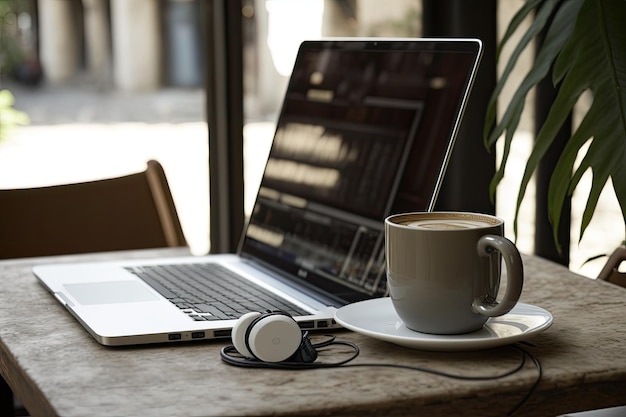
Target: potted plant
584,49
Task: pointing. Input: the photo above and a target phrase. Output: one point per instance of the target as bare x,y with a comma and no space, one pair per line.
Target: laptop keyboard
209,291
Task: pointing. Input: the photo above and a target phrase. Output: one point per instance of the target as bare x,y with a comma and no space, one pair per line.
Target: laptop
365,130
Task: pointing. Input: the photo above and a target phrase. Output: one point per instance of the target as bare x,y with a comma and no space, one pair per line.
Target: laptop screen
365,130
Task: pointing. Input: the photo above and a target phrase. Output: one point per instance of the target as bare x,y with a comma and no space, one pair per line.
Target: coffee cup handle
515,275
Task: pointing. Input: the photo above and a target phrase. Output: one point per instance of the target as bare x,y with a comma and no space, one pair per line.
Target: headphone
272,337
274,340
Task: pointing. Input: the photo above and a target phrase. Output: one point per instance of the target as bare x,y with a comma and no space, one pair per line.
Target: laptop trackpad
110,292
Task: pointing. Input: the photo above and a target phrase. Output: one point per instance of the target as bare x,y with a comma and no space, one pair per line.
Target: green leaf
619,186
594,59
543,15
589,42
556,36
561,185
517,20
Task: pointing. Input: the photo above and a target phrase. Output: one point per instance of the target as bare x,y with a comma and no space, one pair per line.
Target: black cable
230,355
535,384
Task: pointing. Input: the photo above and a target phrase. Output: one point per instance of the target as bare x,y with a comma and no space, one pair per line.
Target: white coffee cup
443,270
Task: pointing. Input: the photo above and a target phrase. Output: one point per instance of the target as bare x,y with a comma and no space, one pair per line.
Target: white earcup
274,338
239,333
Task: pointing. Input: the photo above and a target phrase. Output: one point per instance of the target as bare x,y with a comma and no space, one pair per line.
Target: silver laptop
366,129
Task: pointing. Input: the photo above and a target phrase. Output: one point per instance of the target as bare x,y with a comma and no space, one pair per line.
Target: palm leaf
619,186
555,38
538,24
592,57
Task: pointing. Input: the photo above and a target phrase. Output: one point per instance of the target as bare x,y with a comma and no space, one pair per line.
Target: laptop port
174,336
306,324
222,333
322,324
197,335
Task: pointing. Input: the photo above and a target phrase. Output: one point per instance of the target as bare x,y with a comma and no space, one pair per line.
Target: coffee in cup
443,270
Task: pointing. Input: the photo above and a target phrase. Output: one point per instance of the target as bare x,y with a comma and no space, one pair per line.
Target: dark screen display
364,131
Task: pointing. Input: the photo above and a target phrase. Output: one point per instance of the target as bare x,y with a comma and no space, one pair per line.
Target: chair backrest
135,211
611,272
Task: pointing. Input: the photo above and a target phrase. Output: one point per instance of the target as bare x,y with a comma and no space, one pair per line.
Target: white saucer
378,319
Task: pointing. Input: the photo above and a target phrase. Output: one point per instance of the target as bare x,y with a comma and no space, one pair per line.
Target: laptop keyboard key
209,291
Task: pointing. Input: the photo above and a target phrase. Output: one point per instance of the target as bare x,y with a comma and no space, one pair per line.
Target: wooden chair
611,272
135,211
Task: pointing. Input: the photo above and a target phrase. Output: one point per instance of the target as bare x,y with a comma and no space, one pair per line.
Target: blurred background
109,84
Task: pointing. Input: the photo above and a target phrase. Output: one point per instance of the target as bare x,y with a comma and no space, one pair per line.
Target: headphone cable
230,356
